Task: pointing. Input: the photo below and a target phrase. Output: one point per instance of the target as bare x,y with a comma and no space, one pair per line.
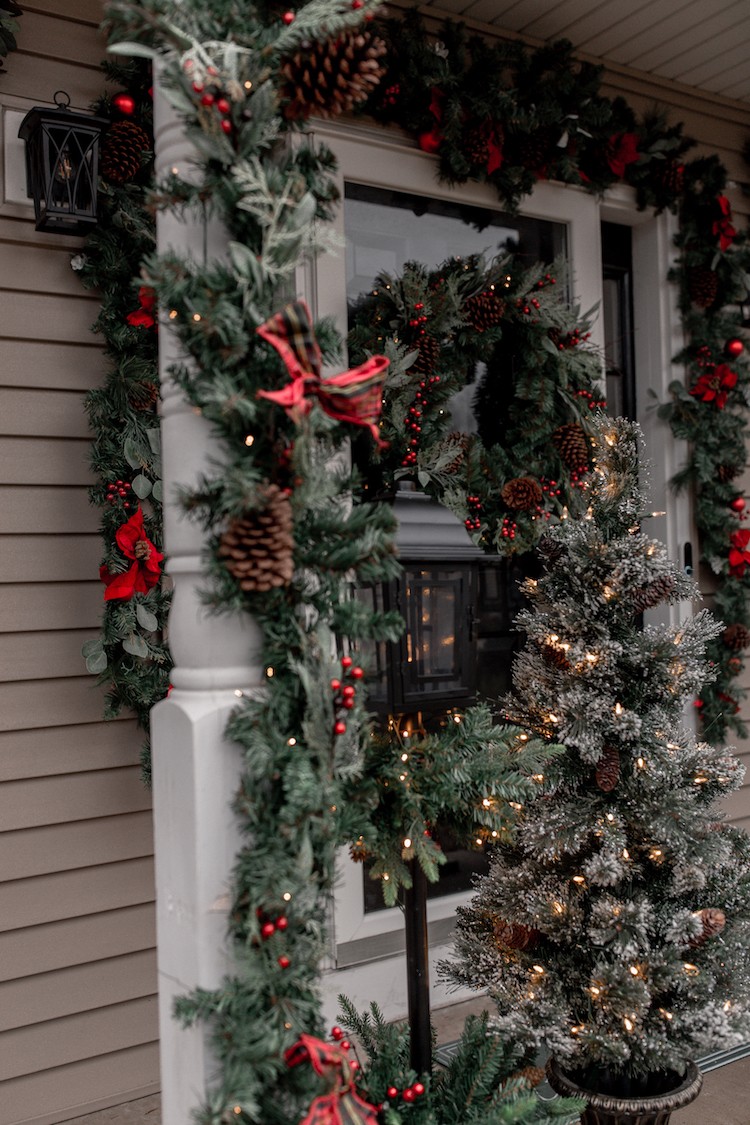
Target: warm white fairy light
537,777
407,842
608,593
386,877
656,854
479,841
558,907
554,718
250,440
539,969
248,85
619,709
699,779
667,1015
727,1005
523,738
641,763
494,834
628,1023
291,741
239,693
515,805
610,817
173,314
404,757
197,317
286,896
690,970
270,673
625,853
402,777
580,880
487,803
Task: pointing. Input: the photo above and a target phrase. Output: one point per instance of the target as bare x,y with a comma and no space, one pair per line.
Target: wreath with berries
491,387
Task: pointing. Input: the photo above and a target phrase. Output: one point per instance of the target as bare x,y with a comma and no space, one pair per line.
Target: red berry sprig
509,528
409,1093
344,695
413,419
119,491
473,522
593,402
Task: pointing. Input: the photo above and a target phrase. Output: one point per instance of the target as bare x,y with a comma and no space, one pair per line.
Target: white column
195,770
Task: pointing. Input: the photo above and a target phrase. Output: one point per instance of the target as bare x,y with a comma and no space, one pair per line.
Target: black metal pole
417,971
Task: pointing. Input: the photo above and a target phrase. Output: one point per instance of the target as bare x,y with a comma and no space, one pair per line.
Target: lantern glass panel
436,603
62,163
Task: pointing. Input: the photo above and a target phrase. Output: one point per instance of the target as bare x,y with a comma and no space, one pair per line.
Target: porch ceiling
699,43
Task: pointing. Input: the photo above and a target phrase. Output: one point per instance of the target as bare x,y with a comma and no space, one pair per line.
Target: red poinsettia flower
722,228
145,316
621,151
146,568
739,555
715,384
431,140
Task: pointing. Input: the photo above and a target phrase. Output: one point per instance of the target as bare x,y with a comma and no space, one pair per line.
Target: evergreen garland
129,657
8,28
533,401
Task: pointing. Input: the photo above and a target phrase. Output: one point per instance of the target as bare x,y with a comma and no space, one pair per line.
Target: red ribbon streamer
354,396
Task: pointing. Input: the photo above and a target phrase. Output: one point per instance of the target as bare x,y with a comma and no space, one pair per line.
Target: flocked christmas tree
614,928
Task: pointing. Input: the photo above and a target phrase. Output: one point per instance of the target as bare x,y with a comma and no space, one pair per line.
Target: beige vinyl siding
78,1022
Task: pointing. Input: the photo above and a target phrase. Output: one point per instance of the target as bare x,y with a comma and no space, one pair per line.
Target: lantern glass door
436,648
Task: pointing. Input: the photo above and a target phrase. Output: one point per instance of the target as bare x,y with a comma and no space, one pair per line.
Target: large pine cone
457,445
703,285
736,637
429,353
257,548
359,851
143,396
726,473
608,769
555,657
476,143
514,935
713,921
660,590
552,549
121,157
484,310
522,494
572,445
331,77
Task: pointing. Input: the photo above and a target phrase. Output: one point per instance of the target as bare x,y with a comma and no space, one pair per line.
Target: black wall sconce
62,166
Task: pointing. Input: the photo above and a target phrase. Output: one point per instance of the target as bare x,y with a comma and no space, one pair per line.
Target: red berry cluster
569,340
550,486
344,695
473,521
213,96
271,926
419,319
413,420
508,530
578,478
593,402
409,1094
119,491
391,95
548,279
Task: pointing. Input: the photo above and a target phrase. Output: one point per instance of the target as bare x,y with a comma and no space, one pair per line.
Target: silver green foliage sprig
629,895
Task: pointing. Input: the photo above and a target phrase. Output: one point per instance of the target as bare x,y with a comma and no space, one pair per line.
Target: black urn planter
610,1109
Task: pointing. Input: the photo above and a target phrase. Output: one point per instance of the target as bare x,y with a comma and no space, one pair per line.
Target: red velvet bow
621,151
145,316
739,556
714,385
431,140
354,396
722,228
145,570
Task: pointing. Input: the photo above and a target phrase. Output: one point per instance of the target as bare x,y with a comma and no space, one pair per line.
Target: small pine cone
660,590
514,935
143,396
457,444
552,549
122,151
522,494
257,548
703,285
476,145
358,851
572,445
727,473
534,1075
534,150
429,354
555,657
736,637
142,550
330,78
484,310
713,920
608,769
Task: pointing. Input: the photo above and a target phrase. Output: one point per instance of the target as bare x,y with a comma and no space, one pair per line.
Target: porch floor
723,1100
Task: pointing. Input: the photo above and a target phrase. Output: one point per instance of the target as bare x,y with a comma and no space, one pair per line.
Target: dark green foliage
484,1083
8,28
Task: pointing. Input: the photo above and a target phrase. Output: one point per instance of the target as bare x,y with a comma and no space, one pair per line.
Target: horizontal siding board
70,366
69,749
53,1096
45,460
76,941
36,316
36,558
45,270
81,1036
85,11
54,38
36,510
79,796
67,847
56,605
81,988
73,894
42,656
28,704
41,413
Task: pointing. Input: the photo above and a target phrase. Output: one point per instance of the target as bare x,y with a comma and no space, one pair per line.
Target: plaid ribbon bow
354,396
342,1105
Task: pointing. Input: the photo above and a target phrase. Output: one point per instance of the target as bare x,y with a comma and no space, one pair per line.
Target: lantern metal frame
62,166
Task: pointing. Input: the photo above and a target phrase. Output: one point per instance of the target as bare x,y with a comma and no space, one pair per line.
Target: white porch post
195,771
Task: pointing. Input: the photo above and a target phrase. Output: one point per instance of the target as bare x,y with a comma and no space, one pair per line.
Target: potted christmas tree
613,929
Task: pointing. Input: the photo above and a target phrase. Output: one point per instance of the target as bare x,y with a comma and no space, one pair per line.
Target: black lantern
433,666
62,164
